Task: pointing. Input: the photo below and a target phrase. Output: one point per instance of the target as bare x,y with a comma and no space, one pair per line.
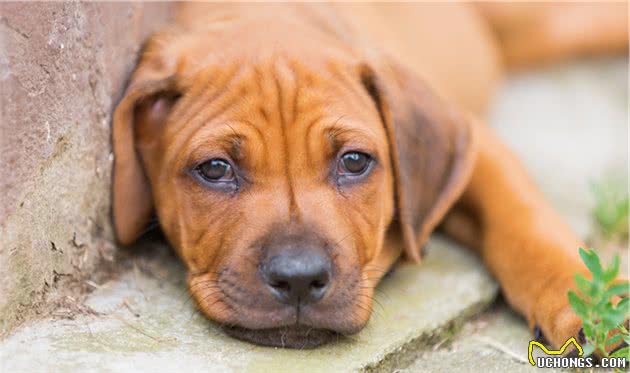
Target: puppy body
463,64
266,134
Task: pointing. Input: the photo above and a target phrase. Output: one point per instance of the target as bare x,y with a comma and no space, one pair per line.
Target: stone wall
63,67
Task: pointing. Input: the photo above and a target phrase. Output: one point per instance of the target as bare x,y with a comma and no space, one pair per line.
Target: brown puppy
291,161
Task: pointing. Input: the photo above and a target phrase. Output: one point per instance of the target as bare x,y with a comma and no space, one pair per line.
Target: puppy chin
311,332
295,336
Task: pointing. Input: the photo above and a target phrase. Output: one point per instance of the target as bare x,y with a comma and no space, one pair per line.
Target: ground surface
495,342
569,124
146,322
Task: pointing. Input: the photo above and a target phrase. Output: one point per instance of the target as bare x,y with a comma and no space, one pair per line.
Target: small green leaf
591,260
588,330
618,289
623,305
613,339
624,352
608,312
612,271
588,349
597,288
612,320
577,304
582,283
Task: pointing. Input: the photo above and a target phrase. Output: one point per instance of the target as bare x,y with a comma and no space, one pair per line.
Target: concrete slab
144,322
496,342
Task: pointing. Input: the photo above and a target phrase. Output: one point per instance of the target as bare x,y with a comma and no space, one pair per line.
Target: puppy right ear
432,147
144,109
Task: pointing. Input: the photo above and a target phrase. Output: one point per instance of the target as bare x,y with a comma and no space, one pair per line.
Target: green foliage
611,209
593,304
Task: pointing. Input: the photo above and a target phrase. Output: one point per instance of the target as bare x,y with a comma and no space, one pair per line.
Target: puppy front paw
555,328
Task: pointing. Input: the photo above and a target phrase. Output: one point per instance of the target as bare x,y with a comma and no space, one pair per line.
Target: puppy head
282,180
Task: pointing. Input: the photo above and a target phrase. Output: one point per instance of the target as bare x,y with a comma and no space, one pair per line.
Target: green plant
594,305
611,209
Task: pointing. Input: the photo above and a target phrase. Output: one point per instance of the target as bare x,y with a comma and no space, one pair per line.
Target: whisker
189,290
377,290
372,299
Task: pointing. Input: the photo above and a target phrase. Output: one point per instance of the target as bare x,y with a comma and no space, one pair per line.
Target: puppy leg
525,244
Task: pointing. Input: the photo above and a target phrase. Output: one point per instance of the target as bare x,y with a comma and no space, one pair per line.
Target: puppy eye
354,163
216,170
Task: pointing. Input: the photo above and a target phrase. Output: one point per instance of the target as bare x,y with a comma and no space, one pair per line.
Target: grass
595,303
611,209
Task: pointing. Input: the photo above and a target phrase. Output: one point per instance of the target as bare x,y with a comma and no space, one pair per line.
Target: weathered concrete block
145,322
63,66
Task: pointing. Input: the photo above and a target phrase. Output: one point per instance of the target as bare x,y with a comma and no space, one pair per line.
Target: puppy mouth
295,336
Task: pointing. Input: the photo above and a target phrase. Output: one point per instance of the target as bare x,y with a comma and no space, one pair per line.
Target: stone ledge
495,342
146,322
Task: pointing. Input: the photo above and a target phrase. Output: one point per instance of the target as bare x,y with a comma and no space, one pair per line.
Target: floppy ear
431,149
146,103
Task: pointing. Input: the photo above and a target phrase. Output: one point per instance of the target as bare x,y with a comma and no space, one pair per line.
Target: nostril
317,289
281,285
317,284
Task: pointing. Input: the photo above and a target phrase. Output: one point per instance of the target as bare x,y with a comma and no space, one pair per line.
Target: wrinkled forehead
319,108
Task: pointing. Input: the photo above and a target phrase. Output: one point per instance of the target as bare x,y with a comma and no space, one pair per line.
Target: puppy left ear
143,110
138,120
431,148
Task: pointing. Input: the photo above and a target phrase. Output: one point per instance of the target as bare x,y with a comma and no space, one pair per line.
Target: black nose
297,276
